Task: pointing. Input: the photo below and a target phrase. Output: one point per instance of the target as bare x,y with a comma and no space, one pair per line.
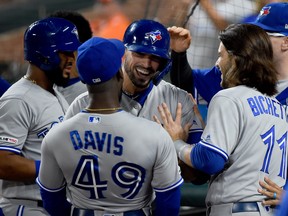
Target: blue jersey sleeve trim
37,167
168,203
55,203
177,184
54,190
214,148
11,149
207,159
194,136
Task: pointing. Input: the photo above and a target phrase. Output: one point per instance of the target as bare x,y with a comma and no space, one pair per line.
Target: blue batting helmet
149,37
44,38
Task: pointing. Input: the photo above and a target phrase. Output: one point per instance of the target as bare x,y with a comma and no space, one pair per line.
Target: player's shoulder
237,91
140,122
24,91
236,95
168,87
82,96
18,90
80,101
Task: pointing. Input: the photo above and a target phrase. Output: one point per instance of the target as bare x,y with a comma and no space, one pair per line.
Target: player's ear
284,45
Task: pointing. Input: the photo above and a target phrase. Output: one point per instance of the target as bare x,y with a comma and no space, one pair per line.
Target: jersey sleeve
223,125
50,175
166,174
77,105
189,116
207,82
15,121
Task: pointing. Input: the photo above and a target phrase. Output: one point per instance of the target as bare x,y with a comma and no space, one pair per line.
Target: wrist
179,145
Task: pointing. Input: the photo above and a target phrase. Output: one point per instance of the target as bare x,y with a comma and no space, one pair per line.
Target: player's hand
174,128
180,38
268,189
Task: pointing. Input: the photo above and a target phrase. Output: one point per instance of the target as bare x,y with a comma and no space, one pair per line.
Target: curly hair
253,54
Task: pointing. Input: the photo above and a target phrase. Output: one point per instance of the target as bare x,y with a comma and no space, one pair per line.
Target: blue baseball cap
273,18
99,59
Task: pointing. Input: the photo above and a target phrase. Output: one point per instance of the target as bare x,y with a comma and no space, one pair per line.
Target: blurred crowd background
108,18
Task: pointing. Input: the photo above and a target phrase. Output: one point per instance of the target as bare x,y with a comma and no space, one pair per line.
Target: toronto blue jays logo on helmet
154,36
75,31
265,11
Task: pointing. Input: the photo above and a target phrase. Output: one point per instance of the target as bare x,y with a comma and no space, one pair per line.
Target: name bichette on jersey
261,105
103,142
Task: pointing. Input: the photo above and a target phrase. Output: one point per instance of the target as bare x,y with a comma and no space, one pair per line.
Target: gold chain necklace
103,109
28,78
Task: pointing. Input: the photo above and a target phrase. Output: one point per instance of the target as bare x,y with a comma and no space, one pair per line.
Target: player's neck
108,110
39,78
130,89
106,105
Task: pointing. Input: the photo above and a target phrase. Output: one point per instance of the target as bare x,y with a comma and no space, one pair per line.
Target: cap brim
267,28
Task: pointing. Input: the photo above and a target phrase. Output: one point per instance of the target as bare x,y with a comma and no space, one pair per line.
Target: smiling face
140,69
225,63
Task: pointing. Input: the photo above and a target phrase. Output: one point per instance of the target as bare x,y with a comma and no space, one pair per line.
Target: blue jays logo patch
265,11
154,36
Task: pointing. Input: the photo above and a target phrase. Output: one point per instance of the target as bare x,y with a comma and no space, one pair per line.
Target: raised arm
181,72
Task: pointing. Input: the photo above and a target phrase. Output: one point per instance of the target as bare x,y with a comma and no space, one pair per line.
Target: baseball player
29,109
207,81
74,87
245,138
146,61
113,160
272,18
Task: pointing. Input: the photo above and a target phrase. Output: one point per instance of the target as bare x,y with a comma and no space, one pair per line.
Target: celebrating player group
127,144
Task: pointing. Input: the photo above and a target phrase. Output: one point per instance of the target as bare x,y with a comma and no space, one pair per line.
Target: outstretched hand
270,189
180,38
174,128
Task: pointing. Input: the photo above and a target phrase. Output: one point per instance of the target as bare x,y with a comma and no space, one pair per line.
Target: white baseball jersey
27,113
250,130
164,92
109,162
72,91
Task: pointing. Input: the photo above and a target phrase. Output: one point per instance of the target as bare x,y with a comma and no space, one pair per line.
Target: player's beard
56,77
137,82
228,76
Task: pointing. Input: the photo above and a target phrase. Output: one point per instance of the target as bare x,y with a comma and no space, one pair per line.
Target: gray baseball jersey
250,130
164,92
109,162
27,113
72,91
